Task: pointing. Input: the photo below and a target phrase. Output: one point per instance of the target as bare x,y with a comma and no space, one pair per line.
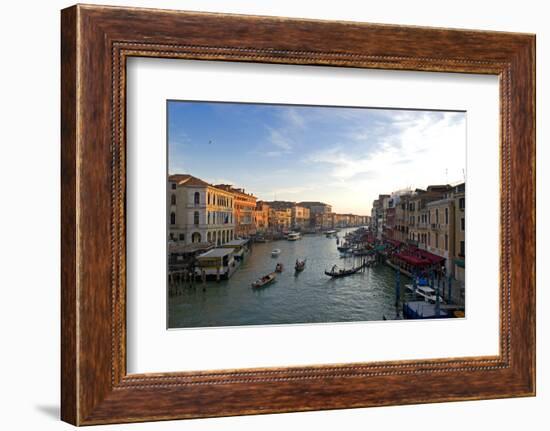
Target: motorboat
293,236
426,292
276,252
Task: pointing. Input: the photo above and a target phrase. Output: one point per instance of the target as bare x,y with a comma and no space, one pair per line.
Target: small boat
276,252
265,280
300,265
293,236
343,247
426,292
336,273
279,267
330,233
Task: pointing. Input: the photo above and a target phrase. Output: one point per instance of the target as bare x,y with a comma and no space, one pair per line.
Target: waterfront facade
261,217
280,219
244,209
432,220
199,212
300,217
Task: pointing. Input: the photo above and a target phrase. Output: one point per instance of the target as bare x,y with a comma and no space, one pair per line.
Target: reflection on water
306,297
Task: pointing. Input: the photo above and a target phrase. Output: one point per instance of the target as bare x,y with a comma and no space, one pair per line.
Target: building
261,216
318,213
441,226
459,197
245,207
300,217
280,218
199,212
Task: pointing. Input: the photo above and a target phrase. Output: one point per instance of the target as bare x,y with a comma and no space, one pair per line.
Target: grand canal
306,297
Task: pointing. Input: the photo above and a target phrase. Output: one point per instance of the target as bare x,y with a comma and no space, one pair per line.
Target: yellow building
300,217
280,218
245,207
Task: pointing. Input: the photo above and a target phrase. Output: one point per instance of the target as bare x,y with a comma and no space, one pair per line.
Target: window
462,203
172,218
462,224
436,240
197,198
196,217
196,237
173,186
173,200
446,215
462,251
446,242
182,237
437,216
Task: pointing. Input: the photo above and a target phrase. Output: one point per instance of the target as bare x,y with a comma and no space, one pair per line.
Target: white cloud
418,150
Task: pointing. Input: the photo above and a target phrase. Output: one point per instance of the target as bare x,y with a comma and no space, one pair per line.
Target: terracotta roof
188,180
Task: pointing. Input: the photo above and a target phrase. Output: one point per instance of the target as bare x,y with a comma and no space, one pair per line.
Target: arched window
196,237
197,198
172,218
196,217
209,237
173,199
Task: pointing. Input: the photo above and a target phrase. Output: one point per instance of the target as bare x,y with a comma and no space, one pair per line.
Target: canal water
306,297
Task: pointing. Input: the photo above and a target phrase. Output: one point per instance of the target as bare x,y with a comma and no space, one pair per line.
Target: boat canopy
216,252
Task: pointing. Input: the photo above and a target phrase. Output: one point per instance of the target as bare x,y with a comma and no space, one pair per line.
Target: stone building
199,212
245,207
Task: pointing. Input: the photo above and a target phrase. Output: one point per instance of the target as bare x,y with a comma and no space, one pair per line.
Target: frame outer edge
69,201
87,399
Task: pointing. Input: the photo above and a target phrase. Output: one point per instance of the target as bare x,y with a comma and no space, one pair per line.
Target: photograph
296,214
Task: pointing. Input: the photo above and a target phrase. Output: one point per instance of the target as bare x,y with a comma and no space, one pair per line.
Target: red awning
411,260
434,258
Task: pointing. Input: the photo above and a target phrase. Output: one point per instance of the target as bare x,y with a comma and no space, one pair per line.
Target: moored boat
265,280
293,236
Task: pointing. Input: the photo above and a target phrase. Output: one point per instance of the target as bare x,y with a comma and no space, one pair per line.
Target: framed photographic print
265,215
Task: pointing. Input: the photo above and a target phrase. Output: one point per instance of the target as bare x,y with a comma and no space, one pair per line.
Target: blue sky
341,156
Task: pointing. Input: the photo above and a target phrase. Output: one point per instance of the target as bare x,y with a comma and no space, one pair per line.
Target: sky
342,156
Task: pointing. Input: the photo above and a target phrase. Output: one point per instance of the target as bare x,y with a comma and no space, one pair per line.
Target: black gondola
300,266
336,273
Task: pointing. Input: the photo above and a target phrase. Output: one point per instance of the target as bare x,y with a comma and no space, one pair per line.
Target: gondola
300,265
337,273
265,280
